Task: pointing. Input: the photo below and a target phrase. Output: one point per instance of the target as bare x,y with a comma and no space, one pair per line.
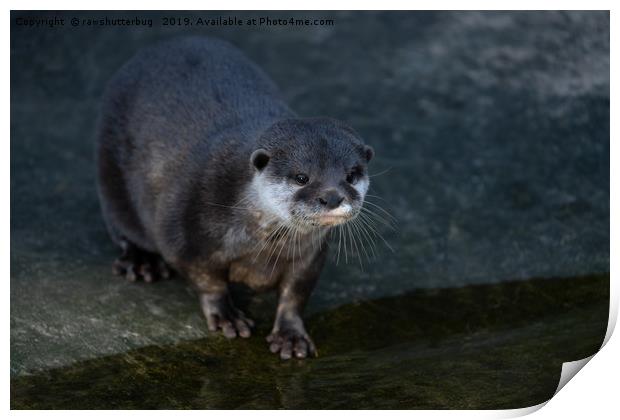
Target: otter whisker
383,213
360,230
354,241
262,243
371,242
375,196
381,173
243,199
382,210
287,235
377,217
357,250
280,239
266,242
271,235
313,239
343,238
362,242
339,240
348,235
225,206
291,248
298,246
295,239
359,246
344,244
288,248
375,231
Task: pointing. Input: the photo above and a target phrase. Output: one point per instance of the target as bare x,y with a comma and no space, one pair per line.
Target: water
500,346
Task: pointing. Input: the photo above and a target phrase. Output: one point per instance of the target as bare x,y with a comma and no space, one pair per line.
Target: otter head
310,172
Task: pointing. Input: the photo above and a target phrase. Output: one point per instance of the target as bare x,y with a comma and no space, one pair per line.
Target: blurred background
491,132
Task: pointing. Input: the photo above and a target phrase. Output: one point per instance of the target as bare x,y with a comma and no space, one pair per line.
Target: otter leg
218,307
288,336
137,264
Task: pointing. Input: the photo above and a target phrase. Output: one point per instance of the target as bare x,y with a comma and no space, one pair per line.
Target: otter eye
354,175
301,179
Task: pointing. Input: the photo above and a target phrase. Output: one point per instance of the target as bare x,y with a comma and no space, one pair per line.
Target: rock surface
372,356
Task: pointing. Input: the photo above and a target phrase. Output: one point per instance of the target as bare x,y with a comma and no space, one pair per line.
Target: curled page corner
613,315
570,369
518,412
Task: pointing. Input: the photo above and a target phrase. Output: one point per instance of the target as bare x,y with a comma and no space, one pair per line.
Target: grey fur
193,139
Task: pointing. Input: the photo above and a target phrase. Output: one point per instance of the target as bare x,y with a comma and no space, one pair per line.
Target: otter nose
331,199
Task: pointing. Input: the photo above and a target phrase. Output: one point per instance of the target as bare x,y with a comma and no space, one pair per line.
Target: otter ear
260,159
369,152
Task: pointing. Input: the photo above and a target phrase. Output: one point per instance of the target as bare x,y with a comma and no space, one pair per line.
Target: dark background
491,133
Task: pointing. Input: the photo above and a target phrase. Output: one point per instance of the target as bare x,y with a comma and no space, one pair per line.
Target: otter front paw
222,315
291,342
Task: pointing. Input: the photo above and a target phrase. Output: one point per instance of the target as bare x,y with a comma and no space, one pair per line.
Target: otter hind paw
136,264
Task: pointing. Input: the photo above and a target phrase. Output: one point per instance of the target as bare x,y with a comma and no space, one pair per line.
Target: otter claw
291,343
136,264
221,315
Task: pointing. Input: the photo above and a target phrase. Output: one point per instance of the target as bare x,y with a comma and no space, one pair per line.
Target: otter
204,169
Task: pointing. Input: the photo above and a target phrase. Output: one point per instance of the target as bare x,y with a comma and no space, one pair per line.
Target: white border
594,393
